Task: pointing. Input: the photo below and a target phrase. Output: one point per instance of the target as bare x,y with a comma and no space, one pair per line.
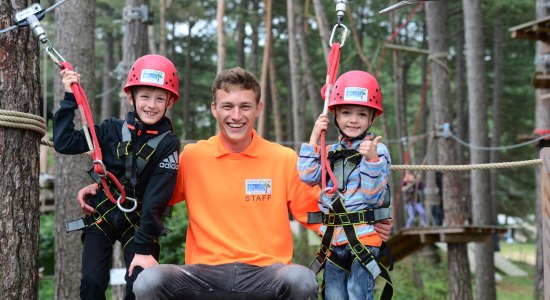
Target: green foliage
47,243
173,244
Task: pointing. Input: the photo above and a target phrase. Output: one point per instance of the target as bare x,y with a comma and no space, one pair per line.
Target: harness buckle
373,268
127,210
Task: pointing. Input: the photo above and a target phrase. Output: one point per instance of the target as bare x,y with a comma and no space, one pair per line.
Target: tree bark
277,116
254,47
134,43
75,23
220,13
266,57
19,192
310,82
298,105
497,119
186,82
461,109
107,82
477,103
324,29
459,271
241,33
542,125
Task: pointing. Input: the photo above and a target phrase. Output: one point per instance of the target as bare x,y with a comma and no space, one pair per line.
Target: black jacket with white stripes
157,179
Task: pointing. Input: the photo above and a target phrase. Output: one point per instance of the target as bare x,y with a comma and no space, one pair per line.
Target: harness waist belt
368,216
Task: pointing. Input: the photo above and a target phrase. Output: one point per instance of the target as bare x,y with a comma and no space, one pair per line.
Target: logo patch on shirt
170,162
152,76
258,186
356,94
258,189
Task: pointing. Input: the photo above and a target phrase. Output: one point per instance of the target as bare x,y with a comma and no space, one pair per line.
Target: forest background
191,36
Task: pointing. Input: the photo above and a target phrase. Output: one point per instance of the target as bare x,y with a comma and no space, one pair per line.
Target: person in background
412,188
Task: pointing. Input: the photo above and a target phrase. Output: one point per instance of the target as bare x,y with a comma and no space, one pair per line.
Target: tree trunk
254,47
186,83
134,43
324,29
477,102
107,82
75,23
459,271
266,57
310,82
542,125
298,105
277,116
220,13
497,119
19,193
241,33
461,109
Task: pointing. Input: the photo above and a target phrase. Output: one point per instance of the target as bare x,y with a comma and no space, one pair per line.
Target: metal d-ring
128,210
337,193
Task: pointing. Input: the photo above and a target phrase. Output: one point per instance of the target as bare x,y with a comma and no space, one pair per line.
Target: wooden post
545,200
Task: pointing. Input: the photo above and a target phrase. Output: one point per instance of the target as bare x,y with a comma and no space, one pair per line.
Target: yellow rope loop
451,168
440,58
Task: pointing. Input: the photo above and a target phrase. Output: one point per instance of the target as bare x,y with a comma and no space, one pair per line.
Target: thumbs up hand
368,149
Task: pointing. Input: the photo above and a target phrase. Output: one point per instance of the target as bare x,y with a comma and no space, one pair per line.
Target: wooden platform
408,241
538,30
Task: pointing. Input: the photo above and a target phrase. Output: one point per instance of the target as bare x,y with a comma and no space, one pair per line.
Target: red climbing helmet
156,71
357,88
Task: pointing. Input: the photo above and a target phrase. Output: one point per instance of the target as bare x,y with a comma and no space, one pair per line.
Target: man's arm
383,228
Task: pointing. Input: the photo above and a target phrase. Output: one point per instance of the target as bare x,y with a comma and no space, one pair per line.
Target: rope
451,168
21,120
437,58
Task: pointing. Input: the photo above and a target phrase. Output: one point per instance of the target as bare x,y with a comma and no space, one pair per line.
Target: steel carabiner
343,37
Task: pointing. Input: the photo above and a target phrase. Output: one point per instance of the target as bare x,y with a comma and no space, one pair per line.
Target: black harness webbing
143,154
344,161
123,149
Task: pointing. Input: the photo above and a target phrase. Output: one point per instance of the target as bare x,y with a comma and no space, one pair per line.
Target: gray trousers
227,281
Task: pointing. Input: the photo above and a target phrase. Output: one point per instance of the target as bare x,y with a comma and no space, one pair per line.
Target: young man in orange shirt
238,189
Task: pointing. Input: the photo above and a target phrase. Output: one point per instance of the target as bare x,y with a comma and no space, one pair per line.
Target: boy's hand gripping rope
31,17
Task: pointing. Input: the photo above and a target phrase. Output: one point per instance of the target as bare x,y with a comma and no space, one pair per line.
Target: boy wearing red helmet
361,165
142,152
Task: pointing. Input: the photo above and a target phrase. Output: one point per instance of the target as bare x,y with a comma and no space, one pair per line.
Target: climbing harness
345,161
142,157
124,151
31,17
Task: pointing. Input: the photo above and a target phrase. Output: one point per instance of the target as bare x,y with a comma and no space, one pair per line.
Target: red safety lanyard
91,139
332,71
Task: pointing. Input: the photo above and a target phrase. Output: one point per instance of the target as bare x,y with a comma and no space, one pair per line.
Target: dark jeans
96,262
227,281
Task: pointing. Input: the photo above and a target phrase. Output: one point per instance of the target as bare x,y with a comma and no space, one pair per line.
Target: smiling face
235,111
353,120
151,103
